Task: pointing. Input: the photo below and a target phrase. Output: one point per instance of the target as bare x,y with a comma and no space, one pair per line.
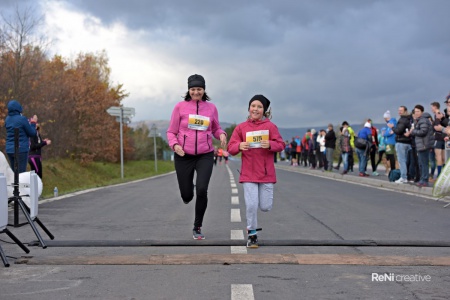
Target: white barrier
3,203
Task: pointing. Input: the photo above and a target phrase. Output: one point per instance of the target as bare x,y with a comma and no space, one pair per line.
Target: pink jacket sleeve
235,140
174,126
215,126
276,141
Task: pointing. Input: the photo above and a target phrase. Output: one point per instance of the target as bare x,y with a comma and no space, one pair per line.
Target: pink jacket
193,141
257,163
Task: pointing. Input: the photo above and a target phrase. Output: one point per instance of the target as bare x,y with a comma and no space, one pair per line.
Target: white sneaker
401,180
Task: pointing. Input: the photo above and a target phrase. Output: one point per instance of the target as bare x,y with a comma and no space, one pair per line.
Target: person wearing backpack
364,134
390,139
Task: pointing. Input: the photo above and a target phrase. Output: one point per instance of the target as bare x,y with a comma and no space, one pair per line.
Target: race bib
197,122
254,138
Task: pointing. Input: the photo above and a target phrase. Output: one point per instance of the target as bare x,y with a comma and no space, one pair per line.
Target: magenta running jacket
193,141
257,163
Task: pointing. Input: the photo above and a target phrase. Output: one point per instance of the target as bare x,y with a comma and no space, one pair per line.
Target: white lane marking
233,185
234,191
235,200
242,292
237,234
238,249
235,215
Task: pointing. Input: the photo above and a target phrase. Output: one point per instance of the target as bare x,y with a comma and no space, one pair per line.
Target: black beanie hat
265,102
196,81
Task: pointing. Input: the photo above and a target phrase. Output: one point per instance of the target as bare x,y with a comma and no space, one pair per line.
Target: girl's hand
244,146
178,150
265,144
223,140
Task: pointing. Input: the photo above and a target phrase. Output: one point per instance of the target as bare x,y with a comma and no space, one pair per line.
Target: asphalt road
105,245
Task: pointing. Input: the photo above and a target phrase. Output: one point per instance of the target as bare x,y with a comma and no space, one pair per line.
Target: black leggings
373,153
380,156
185,167
391,159
35,164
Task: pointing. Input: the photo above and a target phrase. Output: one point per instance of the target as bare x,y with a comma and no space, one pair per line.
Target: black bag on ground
360,143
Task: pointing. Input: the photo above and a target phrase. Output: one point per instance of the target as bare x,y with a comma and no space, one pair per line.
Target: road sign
125,120
116,111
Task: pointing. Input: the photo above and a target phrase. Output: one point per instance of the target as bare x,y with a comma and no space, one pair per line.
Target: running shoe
197,233
252,241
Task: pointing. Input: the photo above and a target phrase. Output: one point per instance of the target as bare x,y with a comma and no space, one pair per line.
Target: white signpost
154,134
123,115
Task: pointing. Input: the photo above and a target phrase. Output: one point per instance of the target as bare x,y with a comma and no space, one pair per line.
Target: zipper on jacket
184,140
196,135
207,141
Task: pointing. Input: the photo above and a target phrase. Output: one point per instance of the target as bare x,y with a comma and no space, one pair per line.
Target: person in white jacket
321,154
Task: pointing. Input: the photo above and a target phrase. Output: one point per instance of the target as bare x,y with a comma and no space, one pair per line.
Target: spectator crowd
411,147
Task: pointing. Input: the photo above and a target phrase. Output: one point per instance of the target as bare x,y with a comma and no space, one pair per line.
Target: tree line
69,96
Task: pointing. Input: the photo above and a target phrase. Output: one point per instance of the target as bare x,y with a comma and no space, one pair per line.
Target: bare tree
21,51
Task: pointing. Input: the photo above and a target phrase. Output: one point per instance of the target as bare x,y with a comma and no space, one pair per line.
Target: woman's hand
178,150
265,144
244,146
223,140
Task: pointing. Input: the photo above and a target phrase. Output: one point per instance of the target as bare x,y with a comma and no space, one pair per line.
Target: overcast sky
317,61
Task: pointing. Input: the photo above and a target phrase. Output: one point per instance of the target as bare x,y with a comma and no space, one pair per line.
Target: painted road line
235,200
242,292
233,185
234,191
235,215
237,234
239,249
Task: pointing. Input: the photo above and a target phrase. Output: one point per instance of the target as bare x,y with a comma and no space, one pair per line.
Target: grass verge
69,176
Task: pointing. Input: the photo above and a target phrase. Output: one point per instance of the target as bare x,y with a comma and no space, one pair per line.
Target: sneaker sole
253,246
198,238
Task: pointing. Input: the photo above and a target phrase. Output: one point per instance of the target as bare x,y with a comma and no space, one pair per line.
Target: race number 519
254,138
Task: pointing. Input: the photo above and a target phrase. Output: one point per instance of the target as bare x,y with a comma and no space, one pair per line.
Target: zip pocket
207,141
184,140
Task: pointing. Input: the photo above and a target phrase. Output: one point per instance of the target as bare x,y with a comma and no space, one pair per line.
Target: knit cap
196,81
265,102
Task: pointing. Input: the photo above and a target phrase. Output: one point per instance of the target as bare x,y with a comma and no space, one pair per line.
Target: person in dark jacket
344,143
330,145
34,156
27,129
402,142
424,138
363,154
439,145
294,159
